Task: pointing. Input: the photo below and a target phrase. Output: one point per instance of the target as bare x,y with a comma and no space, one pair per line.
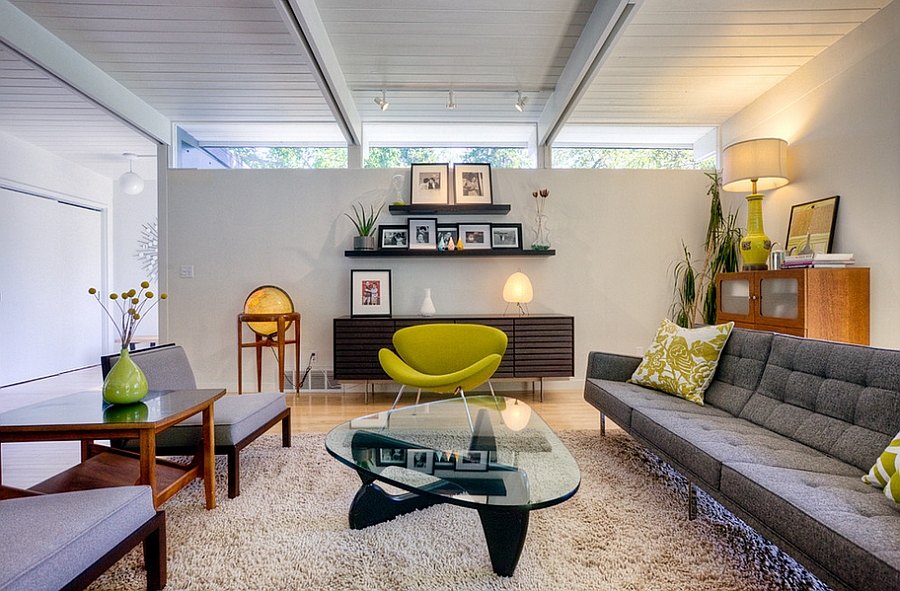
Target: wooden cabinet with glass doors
818,303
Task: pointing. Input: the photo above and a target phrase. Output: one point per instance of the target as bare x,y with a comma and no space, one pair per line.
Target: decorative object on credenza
427,308
429,184
370,292
473,183
541,232
518,291
811,226
755,165
364,221
423,233
125,383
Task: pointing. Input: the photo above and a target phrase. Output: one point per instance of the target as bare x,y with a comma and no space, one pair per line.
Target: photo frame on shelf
472,183
420,460
506,235
447,233
812,224
474,460
393,237
475,236
370,292
422,233
429,184
391,456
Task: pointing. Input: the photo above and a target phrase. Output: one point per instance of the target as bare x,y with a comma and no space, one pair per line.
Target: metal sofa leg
234,473
286,431
602,425
692,501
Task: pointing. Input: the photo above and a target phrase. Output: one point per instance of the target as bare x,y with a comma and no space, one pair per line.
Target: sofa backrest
166,367
740,370
843,400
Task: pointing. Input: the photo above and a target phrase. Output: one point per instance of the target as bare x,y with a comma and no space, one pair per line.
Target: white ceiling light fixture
130,182
382,101
520,104
451,104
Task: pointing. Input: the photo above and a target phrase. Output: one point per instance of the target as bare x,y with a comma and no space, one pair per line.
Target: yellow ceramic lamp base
755,246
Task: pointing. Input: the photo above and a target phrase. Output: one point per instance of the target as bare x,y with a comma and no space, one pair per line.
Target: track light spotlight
520,104
382,101
451,104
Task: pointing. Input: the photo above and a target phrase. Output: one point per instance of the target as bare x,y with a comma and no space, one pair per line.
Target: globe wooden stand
279,340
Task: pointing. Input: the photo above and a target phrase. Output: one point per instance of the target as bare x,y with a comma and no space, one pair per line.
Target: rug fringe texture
625,529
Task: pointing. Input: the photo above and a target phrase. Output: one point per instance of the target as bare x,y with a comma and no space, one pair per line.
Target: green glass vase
125,383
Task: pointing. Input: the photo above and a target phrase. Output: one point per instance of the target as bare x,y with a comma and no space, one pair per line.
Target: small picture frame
447,233
475,236
429,184
506,235
472,460
472,183
370,292
391,457
422,233
393,237
420,460
813,224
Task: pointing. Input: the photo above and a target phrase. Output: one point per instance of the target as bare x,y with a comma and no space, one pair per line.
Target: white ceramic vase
427,308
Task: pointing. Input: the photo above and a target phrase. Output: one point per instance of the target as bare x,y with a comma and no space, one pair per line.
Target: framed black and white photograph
420,460
506,235
472,460
391,237
473,183
391,457
430,184
370,292
423,233
447,233
475,236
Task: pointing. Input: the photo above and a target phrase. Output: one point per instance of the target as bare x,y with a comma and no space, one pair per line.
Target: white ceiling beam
305,24
603,28
44,49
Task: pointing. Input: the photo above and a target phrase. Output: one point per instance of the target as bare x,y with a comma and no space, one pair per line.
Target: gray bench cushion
619,400
49,540
843,523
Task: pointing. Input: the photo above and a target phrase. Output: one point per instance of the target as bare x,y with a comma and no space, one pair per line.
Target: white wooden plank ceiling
238,68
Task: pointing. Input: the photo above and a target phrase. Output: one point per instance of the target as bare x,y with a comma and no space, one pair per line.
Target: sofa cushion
48,540
617,399
740,370
682,361
885,466
848,527
701,443
843,400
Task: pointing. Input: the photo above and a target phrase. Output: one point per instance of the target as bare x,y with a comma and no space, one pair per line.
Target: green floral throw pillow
682,361
892,490
885,467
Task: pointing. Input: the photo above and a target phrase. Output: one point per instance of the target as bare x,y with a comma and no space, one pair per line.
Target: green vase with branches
694,300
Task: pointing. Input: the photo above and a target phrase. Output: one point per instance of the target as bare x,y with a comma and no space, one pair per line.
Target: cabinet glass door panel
735,296
779,297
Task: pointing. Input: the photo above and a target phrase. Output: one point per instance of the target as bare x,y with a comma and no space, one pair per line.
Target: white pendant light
130,182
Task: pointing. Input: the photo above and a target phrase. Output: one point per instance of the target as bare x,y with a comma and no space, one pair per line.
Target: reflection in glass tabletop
507,464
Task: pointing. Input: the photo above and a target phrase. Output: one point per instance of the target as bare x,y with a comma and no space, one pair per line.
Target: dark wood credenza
540,346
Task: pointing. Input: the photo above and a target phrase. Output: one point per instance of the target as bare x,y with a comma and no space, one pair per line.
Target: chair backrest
166,367
445,348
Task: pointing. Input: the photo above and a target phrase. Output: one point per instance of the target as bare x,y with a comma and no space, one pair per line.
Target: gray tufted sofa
66,540
788,428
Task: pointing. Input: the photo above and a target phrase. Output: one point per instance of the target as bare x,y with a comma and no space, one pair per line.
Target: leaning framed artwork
811,226
473,183
429,184
370,292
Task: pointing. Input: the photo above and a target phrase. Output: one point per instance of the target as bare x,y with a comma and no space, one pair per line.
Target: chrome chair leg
418,396
466,404
397,399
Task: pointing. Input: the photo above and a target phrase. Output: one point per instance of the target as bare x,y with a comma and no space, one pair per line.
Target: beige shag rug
625,529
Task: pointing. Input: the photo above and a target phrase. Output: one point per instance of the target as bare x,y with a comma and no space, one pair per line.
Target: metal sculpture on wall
148,249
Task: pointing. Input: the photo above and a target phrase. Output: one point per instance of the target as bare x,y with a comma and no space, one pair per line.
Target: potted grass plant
364,221
694,299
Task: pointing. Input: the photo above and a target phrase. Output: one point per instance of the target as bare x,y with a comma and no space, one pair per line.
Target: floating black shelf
456,209
449,254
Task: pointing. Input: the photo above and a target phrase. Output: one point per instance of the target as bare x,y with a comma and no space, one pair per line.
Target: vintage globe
267,299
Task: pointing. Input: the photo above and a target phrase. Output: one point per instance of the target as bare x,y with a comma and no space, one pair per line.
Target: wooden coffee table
85,417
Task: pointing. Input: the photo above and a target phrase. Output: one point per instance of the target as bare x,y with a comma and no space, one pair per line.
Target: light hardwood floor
25,464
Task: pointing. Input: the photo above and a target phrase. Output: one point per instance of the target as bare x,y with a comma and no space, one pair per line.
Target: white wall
840,116
616,232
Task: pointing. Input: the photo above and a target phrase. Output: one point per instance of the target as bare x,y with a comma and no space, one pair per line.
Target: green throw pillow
892,490
682,361
885,466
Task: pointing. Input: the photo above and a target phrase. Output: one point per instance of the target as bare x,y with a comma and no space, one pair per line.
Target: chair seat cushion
48,540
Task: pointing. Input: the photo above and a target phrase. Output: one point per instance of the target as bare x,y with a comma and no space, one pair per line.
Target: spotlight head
382,101
520,103
451,104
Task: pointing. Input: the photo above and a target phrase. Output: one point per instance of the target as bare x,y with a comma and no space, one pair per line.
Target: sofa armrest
611,366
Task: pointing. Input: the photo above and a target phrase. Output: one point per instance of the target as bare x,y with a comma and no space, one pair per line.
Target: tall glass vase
125,383
541,233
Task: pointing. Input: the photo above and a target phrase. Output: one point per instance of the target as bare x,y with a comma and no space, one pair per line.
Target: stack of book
832,260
